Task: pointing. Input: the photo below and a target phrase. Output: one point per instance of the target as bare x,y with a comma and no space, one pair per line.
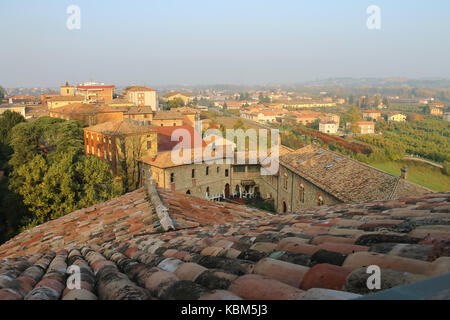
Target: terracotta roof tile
347,179
228,251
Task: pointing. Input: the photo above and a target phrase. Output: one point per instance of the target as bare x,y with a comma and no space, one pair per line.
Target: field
422,174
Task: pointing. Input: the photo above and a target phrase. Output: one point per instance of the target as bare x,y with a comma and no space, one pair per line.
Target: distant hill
379,83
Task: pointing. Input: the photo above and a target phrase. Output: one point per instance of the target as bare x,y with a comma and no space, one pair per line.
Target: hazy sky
158,42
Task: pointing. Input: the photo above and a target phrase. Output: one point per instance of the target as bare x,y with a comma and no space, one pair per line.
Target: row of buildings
92,92
305,178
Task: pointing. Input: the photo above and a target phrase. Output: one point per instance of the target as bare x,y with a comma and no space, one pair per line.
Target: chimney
404,174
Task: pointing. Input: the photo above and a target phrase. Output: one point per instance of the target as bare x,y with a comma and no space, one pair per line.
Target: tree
175,103
351,100
446,168
315,124
8,120
377,101
2,92
12,211
44,135
263,99
130,150
52,175
239,124
351,115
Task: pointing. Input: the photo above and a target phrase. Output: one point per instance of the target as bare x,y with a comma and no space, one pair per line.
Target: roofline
360,163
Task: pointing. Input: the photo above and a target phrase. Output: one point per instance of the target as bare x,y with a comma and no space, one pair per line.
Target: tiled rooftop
225,251
347,179
119,127
165,135
168,115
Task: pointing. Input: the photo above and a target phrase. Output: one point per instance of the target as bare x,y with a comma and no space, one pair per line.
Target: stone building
185,97
13,108
312,176
96,92
207,181
120,142
371,115
54,102
67,90
306,178
93,114
330,127
142,96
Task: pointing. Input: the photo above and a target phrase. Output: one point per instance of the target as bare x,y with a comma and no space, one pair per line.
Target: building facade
13,108
365,127
372,115
329,127
67,90
61,101
185,97
308,177
96,92
120,142
143,96
398,117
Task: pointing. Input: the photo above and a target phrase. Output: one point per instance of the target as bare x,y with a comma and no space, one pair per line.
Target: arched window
320,201
172,178
207,170
301,192
207,191
285,181
193,173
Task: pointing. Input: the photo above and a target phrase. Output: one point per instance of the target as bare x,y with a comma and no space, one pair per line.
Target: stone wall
291,197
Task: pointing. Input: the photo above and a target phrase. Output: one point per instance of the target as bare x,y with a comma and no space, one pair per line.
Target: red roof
95,87
166,144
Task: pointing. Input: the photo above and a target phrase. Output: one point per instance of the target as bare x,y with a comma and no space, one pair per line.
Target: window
239,169
285,181
207,170
207,191
174,124
226,172
193,173
162,125
172,178
149,145
218,169
301,192
320,201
